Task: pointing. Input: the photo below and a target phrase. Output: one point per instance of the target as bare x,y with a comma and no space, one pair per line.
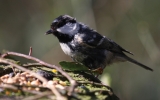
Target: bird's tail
137,63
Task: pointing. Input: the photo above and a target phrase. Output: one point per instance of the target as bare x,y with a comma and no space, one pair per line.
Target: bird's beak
49,32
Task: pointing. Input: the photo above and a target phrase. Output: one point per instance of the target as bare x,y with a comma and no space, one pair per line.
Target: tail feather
137,63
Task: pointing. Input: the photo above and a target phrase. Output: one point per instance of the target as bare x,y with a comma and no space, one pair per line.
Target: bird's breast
74,53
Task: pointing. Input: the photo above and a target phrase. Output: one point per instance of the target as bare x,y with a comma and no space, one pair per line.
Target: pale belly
75,55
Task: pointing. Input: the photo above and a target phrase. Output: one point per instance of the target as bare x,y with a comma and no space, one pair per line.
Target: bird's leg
98,71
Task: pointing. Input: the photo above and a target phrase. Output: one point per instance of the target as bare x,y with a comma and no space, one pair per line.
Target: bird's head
60,22
63,26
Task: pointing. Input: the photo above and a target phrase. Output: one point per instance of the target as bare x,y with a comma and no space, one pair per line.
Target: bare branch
45,82
35,97
30,51
23,69
72,82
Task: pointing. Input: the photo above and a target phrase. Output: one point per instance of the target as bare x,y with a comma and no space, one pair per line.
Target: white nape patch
68,28
66,49
75,26
69,24
72,26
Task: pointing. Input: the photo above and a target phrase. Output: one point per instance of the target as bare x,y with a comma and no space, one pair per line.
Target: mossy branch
65,85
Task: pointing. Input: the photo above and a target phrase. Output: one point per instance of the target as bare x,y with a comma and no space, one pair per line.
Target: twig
8,86
32,64
23,69
3,55
30,51
72,82
35,97
16,87
54,90
51,87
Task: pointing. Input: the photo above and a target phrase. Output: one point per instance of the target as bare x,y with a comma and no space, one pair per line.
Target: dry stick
73,82
51,87
23,69
32,64
8,86
35,97
30,51
16,87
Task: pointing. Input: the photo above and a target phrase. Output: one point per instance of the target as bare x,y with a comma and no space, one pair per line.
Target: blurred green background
134,24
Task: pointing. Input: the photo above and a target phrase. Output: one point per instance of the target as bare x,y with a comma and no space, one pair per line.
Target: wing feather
96,40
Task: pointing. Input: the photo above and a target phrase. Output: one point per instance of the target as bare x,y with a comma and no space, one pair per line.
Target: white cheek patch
75,26
59,30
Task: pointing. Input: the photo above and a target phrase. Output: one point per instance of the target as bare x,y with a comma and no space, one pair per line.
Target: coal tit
87,46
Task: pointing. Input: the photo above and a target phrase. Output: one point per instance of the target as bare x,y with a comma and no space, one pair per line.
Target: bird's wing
92,38
95,40
111,46
89,38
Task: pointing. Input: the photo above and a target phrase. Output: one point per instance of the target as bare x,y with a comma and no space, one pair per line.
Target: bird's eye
55,24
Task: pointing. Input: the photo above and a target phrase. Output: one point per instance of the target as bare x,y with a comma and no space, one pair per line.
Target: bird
86,46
